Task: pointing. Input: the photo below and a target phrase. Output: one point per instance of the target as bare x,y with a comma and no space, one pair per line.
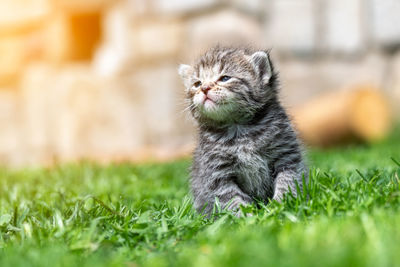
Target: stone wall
97,79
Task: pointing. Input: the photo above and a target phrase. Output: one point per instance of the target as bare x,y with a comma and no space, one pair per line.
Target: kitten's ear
262,64
185,71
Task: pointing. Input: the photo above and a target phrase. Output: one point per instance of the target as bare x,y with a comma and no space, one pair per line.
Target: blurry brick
105,120
116,50
18,16
138,7
67,35
291,26
227,27
78,6
11,63
72,37
385,22
344,29
71,114
393,89
34,115
303,79
10,145
176,7
16,51
86,33
57,38
155,40
128,42
256,7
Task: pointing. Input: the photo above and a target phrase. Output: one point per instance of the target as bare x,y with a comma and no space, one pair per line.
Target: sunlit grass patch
128,215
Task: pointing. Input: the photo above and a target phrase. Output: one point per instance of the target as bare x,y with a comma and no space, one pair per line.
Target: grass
141,215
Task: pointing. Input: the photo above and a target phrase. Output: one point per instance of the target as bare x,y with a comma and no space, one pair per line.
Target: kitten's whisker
188,108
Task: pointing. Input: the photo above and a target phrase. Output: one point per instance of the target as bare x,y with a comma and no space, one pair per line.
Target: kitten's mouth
208,103
207,99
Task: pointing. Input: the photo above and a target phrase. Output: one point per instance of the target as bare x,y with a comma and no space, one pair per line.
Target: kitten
247,148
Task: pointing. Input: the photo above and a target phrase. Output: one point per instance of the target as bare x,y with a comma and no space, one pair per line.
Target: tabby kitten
247,149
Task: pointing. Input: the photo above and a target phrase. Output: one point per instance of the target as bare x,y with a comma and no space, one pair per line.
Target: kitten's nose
205,89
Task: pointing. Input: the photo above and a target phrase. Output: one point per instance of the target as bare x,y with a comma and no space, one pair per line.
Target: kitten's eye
197,84
224,78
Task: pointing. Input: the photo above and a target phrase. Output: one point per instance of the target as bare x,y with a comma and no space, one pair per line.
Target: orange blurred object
361,113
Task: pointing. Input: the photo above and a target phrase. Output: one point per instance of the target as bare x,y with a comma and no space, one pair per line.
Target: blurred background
97,79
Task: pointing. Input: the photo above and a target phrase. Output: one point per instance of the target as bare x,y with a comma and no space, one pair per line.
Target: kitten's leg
229,195
232,197
289,169
285,181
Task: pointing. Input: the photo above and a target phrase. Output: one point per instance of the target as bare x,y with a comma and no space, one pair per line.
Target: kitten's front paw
278,197
234,206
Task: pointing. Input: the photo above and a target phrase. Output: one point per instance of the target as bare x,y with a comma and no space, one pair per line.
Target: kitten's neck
263,111
258,118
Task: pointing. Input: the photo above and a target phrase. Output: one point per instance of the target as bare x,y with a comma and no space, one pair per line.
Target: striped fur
247,149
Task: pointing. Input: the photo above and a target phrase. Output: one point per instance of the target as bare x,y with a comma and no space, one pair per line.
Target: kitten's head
229,85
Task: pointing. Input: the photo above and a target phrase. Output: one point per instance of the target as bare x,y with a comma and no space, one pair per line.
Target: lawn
141,215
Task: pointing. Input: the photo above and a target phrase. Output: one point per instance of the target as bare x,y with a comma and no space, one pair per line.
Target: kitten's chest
251,167
244,158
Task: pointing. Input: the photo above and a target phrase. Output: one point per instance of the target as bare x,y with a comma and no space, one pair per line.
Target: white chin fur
209,105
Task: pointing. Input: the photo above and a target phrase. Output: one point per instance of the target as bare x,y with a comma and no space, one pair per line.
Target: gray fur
247,149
